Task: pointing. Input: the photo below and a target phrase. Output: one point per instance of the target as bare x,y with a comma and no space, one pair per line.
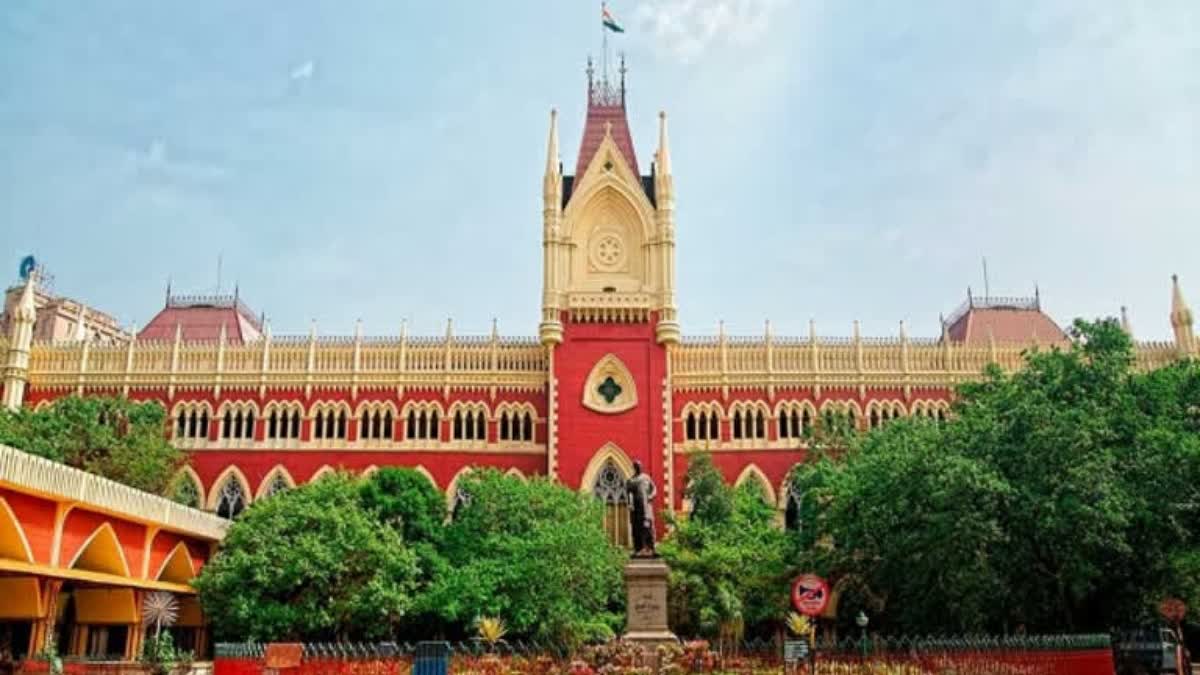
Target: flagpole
604,43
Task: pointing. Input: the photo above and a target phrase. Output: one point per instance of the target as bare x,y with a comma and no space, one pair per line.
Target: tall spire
606,106
552,180
552,166
663,157
1125,325
20,342
1181,318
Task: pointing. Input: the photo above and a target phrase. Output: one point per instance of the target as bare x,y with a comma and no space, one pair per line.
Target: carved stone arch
425,472
516,473
102,552
14,545
368,472
277,470
187,406
784,406
597,387
422,406
320,473
238,405
452,488
177,567
609,452
596,180
189,474
231,472
752,472
375,406
785,489
46,403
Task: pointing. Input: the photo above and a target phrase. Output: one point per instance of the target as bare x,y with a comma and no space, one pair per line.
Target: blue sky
838,160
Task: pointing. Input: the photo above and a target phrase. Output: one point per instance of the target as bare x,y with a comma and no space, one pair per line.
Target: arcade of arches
77,571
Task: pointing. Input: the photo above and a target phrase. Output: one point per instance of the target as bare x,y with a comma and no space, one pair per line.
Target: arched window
462,499
278,484
232,498
185,491
737,425
503,430
422,424
610,489
284,422
689,427
192,422
792,513
480,426
760,425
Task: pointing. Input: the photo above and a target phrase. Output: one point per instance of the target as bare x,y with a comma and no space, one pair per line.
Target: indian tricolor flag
609,21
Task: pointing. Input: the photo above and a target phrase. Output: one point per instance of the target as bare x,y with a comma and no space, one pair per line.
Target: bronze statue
640,491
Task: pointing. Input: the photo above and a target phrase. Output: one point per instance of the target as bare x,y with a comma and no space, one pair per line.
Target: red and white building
606,380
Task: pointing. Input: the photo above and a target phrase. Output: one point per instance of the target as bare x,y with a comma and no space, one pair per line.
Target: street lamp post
862,620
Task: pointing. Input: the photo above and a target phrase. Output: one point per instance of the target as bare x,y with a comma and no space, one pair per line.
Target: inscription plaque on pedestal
646,601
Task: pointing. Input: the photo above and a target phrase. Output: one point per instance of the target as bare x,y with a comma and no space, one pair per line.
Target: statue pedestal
646,602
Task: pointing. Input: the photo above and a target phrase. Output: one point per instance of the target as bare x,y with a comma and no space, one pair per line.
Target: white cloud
688,28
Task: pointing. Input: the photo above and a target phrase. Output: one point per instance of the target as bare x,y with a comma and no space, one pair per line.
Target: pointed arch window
462,499
192,423
232,499
609,488
792,514
186,491
422,425
278,484
284,423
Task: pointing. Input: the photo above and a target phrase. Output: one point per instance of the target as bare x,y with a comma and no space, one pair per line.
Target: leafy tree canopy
728,558
110,436
1059,497
534,553
309,563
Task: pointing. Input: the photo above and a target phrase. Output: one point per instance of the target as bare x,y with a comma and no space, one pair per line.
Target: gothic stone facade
608,380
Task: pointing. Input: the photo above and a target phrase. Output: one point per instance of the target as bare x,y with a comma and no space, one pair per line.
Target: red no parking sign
810,595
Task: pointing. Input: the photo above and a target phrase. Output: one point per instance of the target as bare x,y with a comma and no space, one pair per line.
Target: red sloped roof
200,319
1006,324
599,115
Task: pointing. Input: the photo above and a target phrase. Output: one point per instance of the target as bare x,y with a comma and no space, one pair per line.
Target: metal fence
862,655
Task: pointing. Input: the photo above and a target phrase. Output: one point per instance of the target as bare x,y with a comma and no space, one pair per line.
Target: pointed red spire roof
606,106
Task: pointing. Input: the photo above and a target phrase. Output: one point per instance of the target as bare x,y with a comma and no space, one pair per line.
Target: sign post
810,597
1173,610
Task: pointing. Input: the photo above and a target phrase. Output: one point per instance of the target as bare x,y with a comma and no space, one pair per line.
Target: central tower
608,301
608,231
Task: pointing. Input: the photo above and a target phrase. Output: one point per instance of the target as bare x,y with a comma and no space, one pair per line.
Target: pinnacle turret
1181,319
20,342
552,179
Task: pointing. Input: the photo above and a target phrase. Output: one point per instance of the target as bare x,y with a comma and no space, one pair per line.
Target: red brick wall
582,432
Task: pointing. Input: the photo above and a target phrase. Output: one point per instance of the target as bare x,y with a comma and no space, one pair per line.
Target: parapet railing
293,362
25,472
725,362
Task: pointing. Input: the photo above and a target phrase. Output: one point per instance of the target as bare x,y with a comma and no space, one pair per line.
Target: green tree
407,501
110,436
1059,497
729,559
533,553
916,523
310,563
